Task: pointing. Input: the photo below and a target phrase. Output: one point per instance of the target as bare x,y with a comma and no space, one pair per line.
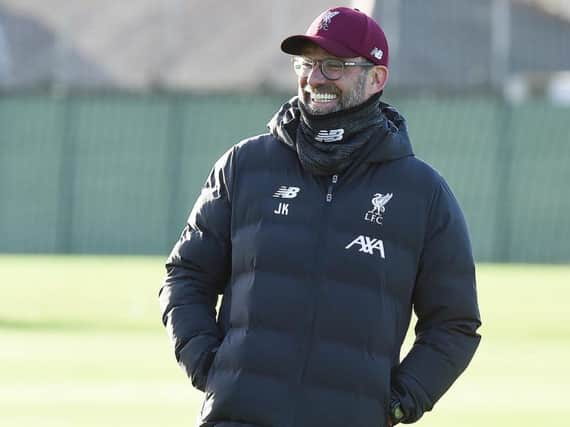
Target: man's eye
334,66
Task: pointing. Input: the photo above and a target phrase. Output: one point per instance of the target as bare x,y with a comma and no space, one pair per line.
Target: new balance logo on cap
285,192
377,53
332,135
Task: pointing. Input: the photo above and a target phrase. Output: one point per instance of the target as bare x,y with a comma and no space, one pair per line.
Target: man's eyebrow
327,57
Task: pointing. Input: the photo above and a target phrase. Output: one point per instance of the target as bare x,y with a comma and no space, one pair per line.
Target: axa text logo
285,192
368,245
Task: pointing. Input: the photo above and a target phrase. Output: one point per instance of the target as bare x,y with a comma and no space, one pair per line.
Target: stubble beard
345,100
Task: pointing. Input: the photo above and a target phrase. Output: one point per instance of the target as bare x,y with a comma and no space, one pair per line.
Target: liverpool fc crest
379,202
326,20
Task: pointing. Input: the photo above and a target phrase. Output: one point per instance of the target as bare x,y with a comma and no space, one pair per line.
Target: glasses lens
302,66
332,69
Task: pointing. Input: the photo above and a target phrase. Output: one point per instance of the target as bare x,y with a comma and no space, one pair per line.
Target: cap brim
294,45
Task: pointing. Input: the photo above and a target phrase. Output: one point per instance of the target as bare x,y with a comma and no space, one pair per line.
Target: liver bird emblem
379,202
326,20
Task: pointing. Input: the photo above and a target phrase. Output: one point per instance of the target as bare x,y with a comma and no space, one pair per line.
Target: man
322,236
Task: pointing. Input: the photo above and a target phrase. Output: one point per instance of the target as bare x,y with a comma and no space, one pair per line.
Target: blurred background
112,113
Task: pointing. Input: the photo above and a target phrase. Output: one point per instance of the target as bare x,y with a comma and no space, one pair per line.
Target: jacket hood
391,140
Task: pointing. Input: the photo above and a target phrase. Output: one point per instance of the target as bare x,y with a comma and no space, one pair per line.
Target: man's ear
379,75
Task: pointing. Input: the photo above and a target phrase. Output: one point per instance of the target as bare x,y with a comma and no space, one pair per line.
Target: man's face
322,96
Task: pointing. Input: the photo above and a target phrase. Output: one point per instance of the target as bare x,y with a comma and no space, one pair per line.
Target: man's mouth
321,96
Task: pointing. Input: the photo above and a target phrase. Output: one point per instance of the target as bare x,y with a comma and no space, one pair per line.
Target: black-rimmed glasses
331,68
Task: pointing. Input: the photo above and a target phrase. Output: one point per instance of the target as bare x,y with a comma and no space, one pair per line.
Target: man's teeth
323,97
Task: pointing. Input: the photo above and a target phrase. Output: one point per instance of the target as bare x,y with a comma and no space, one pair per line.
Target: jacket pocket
207,366
383,321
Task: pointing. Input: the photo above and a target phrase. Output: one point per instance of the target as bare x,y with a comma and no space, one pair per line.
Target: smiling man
322,236
349,70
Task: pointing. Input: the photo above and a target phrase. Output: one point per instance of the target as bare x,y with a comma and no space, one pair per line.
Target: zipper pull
334,180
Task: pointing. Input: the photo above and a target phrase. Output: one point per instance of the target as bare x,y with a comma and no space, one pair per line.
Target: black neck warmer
327,144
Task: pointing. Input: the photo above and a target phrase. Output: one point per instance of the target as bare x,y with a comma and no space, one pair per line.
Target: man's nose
316,75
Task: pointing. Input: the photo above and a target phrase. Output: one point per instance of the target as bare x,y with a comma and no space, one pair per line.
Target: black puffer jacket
319,276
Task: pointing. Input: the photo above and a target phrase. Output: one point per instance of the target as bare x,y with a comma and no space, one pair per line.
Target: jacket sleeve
445,302
197,270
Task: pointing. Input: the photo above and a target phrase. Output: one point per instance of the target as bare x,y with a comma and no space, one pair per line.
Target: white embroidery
332,135
327,18
379,202
285,192
377,53
368,245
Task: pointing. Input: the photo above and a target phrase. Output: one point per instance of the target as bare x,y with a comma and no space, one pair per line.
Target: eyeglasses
331,68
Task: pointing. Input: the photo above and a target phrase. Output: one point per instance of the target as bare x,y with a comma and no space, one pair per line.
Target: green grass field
81,344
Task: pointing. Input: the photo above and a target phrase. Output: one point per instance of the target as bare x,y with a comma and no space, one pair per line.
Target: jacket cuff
413,405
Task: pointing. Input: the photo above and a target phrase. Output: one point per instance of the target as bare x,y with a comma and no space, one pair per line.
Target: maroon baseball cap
343,32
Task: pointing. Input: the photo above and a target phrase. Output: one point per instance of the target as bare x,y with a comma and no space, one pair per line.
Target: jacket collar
391,141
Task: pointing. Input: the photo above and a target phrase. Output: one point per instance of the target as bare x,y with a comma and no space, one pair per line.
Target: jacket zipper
334,180
319,274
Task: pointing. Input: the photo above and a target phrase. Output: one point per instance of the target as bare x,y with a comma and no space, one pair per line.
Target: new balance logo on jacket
332,135
285,192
